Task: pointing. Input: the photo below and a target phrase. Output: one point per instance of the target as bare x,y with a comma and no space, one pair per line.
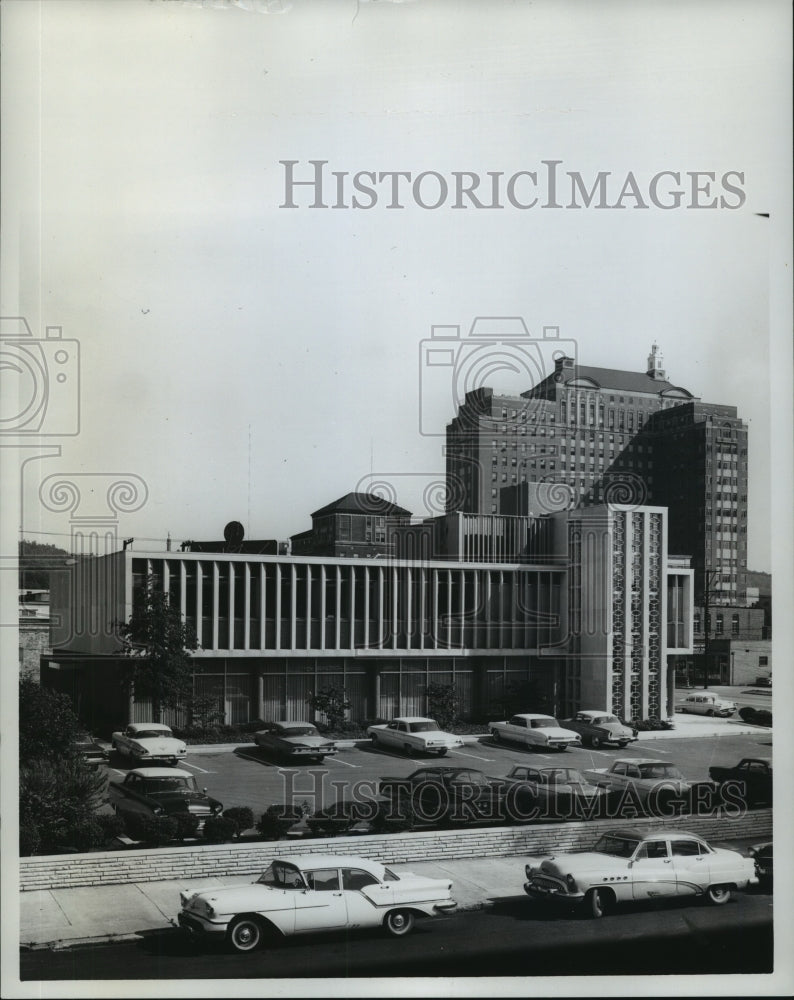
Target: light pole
708,576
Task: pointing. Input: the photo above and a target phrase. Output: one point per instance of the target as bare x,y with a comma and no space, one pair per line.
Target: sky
253,362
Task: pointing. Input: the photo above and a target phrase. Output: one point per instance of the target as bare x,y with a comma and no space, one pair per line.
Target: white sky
253,362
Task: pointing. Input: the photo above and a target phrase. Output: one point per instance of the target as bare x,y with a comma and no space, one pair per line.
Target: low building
588,619
34,630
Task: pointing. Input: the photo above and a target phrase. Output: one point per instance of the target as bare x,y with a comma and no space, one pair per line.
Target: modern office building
612,436
585,606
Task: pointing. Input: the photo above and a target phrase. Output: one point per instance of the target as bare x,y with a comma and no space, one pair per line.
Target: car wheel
495,734
622,745
442,753
245,934
595,742
408,749
718,894
399,923
596,903
710,712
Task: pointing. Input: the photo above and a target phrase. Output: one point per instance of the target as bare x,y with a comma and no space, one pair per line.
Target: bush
755,716
186,824
59,799
217,830
154,830
29,839
276,820
241,816
647,725
112,826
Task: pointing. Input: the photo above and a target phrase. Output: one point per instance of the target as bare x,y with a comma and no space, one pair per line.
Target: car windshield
606,719
280,875
157,786
470,778
422,727
151,734
562,776
544,723
660,771
297,731
618,847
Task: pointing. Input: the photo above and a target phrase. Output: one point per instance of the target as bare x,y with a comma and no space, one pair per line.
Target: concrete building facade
590,620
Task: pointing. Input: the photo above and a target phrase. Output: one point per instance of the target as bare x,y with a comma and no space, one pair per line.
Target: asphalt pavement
60,918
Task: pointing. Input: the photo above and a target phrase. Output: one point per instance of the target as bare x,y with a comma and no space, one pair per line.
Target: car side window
653,850
323,879
355,878
684,848
619,768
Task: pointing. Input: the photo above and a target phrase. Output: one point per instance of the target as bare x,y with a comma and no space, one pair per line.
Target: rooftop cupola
656,363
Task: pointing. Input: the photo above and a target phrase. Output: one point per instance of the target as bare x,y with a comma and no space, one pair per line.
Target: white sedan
541,731
631,865
414,734
301,894
146,742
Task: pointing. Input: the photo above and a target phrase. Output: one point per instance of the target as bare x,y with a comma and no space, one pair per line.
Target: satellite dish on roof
233,533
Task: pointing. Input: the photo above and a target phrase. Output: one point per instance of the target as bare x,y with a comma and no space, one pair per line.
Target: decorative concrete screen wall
211,861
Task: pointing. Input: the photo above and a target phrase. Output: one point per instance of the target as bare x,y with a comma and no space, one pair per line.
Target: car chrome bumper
550,893
197,928
445,907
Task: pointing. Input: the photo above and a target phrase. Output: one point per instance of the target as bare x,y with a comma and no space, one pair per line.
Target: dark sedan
295,741
449,795
93,753
161,791
555,793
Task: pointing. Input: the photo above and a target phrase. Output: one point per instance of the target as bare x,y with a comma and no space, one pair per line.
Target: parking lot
247,776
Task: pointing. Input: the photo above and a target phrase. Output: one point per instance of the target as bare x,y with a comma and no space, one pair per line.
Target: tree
157,644
443,704
332,702
47,724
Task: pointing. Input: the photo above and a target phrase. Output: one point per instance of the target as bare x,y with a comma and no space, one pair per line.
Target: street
516,937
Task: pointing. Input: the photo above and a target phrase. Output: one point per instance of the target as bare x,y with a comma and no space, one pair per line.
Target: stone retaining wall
210,861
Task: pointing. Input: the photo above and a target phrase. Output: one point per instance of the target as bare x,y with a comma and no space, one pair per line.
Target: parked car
553,793
147,742
414,734
628,865
161,791
706,703
599,728
448,794
93,753
534,731
753,774
755,716
348,816
295,741
763,682
654,785
763,860
301,894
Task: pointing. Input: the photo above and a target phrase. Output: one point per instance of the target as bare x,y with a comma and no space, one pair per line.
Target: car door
364,895
652,871
692,867
321,906
391,734
517,730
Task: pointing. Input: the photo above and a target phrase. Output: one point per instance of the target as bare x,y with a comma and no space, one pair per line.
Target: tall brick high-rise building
614,436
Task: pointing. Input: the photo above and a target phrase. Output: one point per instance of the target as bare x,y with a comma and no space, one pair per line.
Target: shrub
60,799
47,724
241,816
186,824
276,820
29,838
153,830
218,829
111,824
